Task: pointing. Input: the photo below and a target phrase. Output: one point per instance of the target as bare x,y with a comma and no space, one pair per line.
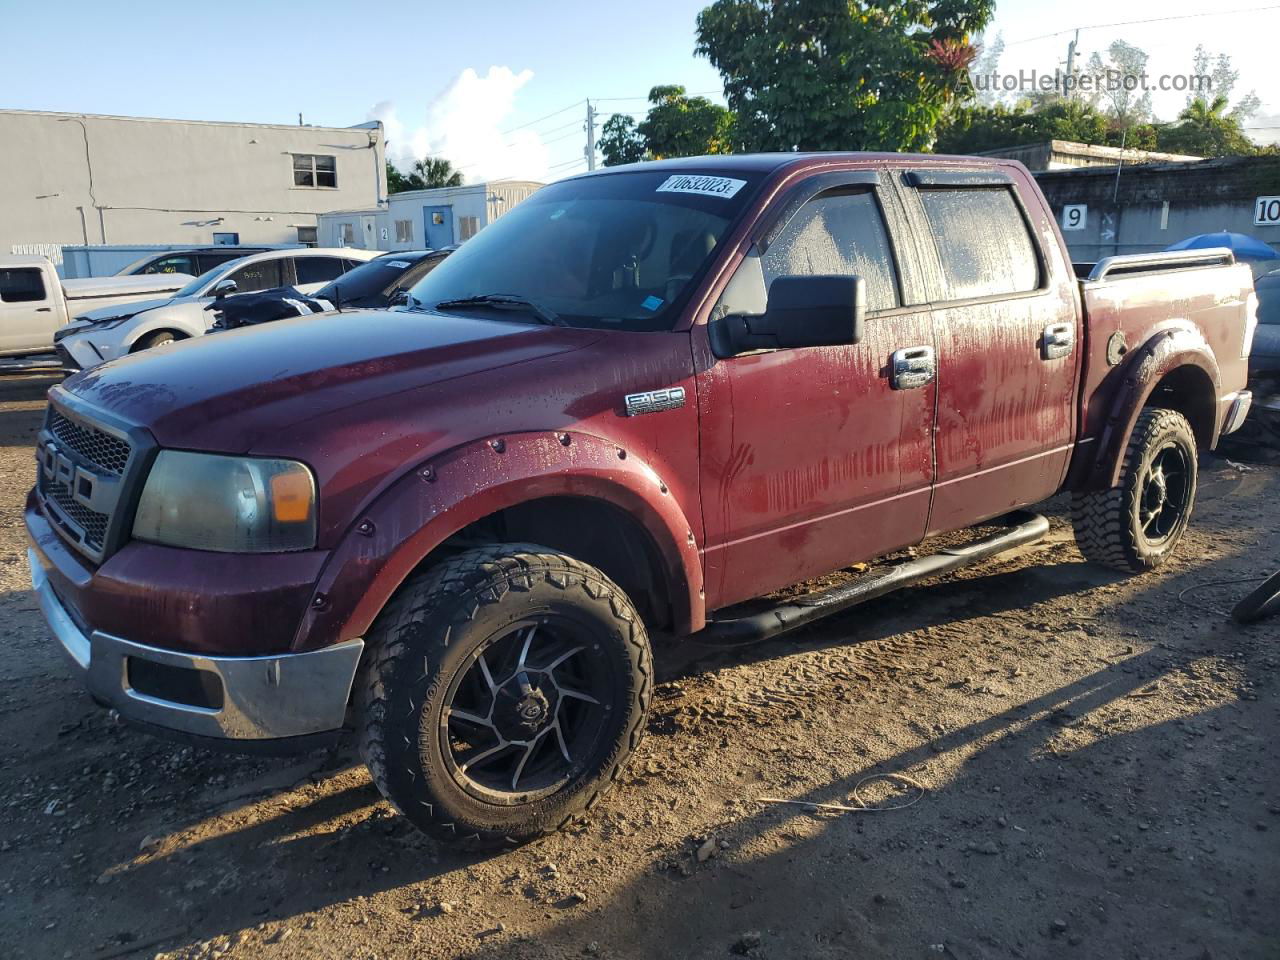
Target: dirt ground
1097,762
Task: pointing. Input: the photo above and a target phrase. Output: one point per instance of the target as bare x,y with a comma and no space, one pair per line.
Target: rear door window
21,285
262,275
317,269
841,233
983,242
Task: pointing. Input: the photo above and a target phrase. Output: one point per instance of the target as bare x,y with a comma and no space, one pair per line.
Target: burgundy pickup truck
643,400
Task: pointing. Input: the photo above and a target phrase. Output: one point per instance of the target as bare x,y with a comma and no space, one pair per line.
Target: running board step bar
1024,528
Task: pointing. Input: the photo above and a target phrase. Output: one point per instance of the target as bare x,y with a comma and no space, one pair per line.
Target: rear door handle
912,367
1058,340
44,309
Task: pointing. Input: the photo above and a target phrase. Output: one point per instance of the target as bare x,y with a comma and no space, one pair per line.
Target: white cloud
464,124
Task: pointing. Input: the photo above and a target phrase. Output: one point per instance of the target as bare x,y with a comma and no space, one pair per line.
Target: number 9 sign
1074,216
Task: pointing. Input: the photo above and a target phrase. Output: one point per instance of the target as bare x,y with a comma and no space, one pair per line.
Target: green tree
397,182
678,125
977,129
437,172
1206,129
426,173
827,75
619,142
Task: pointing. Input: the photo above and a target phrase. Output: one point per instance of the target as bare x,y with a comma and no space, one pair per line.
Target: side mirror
400,298
820,311
224,287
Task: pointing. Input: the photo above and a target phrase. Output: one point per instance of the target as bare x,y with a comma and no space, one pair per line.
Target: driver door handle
1058,340
912,367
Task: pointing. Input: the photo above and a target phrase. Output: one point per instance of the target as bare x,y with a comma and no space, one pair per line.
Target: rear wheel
503,692
1136,525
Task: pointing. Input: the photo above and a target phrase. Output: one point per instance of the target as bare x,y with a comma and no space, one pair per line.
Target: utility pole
590,150
1071,66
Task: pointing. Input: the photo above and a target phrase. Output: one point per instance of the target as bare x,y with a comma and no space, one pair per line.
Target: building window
307,236
346,234
226,239
314,170
467,227
404,231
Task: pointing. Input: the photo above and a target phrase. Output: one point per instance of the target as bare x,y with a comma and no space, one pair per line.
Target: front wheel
503,692
1136,525
161,338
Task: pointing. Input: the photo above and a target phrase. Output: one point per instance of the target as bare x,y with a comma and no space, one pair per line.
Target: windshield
615,251
193,288
367,280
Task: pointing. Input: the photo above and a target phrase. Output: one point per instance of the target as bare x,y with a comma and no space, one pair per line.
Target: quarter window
317,269
982,241
21,286
838,233
404,231
314,170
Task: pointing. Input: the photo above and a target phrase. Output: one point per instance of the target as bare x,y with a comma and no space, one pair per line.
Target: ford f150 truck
639,400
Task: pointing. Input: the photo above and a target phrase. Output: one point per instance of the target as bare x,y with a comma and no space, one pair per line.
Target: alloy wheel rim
1164,494
525,711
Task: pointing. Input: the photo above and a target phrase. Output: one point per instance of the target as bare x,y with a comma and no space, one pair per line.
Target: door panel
438,226
1006,411
30,309
810,459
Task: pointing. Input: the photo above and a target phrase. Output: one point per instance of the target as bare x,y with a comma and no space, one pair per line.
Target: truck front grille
101,450
83,468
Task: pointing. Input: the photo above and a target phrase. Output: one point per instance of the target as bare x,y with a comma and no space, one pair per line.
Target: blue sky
461,78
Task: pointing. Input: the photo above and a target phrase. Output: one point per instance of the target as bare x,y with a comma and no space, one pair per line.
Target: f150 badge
655,401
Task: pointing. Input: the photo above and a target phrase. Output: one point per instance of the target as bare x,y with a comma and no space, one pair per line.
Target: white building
424,219
86,179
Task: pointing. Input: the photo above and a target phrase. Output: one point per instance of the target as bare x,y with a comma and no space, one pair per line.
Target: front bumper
226,698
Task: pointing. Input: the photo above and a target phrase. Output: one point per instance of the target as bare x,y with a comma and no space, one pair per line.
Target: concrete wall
76,178
1155,205
483,201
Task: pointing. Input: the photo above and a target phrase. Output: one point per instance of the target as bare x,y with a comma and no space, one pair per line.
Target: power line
1130,23
556,113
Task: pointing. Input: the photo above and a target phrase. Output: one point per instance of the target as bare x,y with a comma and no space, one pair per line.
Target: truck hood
238,390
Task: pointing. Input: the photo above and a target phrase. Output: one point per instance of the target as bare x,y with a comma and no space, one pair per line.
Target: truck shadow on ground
333,841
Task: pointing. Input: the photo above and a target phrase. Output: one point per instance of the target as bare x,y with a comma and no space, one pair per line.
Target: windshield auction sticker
724,187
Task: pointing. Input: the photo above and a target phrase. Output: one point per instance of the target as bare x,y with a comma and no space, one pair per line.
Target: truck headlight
227,504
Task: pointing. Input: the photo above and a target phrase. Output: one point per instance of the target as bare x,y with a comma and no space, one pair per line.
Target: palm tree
436,172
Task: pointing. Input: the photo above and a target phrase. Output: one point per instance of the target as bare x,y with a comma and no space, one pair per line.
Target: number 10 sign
1266,211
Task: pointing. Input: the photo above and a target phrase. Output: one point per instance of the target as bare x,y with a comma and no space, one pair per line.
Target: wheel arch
1175,370
517,486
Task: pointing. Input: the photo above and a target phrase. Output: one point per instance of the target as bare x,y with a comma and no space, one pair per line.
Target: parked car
194,262
35,302
640,398
105,334
381,282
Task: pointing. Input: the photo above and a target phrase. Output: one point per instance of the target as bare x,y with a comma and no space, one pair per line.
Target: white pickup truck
35,301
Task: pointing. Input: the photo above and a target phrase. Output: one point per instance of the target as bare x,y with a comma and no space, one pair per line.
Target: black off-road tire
1261,603
1107,526
421,644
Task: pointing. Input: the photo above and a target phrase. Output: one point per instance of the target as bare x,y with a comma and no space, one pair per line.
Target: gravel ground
1096,761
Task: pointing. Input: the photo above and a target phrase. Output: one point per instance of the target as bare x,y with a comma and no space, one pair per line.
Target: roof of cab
769,162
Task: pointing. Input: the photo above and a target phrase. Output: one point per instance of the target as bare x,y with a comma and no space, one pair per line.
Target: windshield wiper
506,301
